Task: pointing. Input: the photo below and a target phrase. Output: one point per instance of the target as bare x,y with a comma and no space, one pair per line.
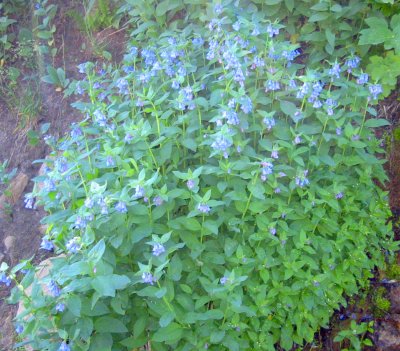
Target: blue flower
76,132
352,62
338,131
54,288
246,104
5,280
80,223
60,307
272,31
257,62
255,32
218,9
231,117
272,230
198,41
273,85
79,88
73,245
290,56
110,161
175,84
89,203
269,122
224,280
303,91
96,85
339,195
100,118
190,184
363,79
121,207
82,67
29,201
49,185
148,278
221,144
123,85
266,169
139,191
149,57
204,208
158,201
47,244
375,90
335,71
302,180
330,104
128,69
158,249
19,329
133,51
64,347
317,104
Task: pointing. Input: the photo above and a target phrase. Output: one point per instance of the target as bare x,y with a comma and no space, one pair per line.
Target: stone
394,297
43,229
14,190
9,242
388,334
43,171
13,193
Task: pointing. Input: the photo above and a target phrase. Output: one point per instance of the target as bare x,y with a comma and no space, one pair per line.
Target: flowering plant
218,195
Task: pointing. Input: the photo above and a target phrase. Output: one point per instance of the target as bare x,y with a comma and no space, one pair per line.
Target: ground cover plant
219,194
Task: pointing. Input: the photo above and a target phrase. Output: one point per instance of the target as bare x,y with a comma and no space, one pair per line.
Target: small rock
43,171
9,242
388,334
14,190
394,297
43,229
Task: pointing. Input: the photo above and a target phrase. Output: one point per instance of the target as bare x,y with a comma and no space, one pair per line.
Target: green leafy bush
217,195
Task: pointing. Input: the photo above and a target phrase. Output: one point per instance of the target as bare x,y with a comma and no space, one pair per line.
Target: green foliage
380,32
393,271
6,176
217,205
381,305
45,29
99,15
386,70
56,77
356,336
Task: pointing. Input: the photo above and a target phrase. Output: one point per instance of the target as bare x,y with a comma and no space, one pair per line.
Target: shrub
219,194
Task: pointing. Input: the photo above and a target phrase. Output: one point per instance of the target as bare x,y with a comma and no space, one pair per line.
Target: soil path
20,234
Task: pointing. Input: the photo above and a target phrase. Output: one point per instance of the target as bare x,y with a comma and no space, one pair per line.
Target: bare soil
23,224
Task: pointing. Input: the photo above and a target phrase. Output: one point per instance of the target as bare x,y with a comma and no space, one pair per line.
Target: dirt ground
20,236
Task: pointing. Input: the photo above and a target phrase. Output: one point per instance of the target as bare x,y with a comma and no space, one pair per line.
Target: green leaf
217,336
101,342
289,108
166,319
96,253
106,285
317,17
74,305
378,32
169,335
376,122
109,325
